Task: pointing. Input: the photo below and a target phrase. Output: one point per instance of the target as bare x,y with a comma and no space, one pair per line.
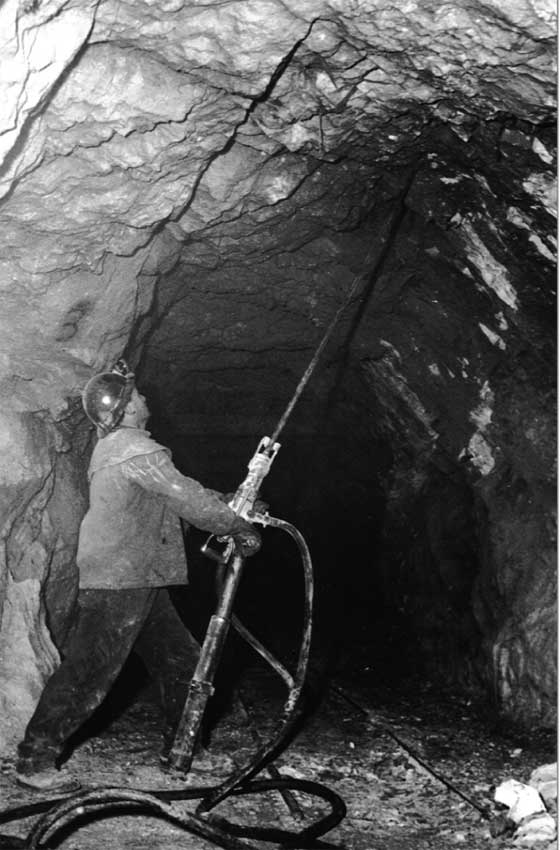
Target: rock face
203,186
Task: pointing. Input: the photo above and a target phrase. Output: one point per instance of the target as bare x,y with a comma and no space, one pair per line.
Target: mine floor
393,800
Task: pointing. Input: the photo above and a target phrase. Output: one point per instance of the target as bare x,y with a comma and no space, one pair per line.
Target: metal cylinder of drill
202,687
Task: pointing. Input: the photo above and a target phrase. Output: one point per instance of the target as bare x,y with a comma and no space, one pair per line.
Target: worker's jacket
131,536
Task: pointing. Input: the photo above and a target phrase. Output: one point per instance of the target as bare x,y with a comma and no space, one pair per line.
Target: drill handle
247,493
246,496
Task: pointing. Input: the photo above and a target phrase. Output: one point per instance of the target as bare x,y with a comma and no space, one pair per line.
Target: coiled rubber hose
58,813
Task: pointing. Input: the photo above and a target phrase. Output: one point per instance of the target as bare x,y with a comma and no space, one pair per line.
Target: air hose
58,813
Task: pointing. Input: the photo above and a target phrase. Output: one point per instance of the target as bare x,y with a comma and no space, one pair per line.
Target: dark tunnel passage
329,480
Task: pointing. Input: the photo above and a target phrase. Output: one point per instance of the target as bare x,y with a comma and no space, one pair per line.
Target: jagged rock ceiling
201,184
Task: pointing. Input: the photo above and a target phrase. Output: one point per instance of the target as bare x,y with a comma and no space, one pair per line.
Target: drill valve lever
246,496
259,466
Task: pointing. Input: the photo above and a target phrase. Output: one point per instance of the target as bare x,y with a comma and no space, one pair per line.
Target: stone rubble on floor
528,804
545,780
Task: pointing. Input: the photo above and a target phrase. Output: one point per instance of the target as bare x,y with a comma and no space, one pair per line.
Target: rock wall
472,405
43,500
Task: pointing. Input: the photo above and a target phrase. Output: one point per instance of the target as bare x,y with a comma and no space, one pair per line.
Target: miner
130,549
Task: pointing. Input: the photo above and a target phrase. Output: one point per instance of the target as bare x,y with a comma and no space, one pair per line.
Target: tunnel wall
43,498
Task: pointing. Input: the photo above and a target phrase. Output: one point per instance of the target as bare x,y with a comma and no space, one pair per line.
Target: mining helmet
106,396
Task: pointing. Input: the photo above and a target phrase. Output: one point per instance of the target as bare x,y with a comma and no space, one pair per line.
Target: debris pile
532,807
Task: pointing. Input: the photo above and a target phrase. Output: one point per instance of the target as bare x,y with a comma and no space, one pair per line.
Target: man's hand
247,541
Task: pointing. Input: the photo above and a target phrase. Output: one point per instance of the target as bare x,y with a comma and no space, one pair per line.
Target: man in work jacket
130,549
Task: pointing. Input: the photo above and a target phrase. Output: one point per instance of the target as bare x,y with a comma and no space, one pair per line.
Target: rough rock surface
202,184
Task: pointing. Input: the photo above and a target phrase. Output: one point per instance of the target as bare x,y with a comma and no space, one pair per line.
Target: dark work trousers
108,626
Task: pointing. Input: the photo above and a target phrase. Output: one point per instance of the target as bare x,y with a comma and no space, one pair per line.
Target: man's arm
200,507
